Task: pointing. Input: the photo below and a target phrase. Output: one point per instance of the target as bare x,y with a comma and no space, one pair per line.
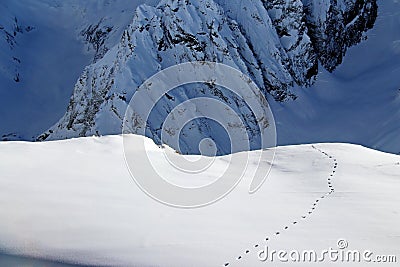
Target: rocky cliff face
276,43
335,25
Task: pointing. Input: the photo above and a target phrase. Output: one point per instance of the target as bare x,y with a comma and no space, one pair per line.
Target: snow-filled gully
305,215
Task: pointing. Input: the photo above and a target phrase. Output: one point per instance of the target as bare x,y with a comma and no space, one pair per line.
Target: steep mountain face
276,43
335,25
360,101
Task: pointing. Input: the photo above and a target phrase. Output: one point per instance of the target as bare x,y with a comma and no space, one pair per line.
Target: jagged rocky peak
335,25
277,37
288,19
276,43
95,36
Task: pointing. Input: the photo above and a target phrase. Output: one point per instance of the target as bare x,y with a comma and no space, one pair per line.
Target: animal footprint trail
308,213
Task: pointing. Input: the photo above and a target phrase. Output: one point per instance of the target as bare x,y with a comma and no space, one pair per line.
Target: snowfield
74,201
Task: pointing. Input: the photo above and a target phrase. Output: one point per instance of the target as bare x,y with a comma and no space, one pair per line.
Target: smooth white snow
75,201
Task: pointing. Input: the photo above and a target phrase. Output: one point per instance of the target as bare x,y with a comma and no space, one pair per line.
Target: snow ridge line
312,209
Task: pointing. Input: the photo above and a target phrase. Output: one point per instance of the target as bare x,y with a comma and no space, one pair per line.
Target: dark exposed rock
336,25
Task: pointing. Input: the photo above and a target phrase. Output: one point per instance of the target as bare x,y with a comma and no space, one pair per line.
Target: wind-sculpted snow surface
267,41
74,201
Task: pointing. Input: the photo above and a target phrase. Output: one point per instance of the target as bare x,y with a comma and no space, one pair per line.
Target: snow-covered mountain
276,43
360,101
279,44
44,47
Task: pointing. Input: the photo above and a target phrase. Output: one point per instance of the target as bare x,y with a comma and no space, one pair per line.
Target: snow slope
74,201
